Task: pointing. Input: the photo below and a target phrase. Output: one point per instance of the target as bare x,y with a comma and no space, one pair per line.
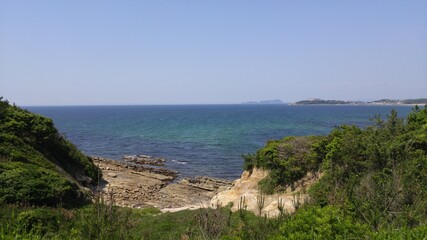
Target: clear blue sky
184,52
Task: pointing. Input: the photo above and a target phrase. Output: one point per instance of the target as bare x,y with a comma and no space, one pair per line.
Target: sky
210,52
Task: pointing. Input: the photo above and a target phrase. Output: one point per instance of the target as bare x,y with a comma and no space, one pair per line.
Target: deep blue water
199,139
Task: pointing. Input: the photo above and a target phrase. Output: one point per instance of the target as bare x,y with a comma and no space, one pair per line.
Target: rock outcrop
144,160
246,188
129,185
190,193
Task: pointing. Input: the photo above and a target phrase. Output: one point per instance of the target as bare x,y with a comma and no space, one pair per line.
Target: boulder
113,175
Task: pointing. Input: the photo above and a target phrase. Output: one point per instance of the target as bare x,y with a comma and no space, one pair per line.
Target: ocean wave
179,162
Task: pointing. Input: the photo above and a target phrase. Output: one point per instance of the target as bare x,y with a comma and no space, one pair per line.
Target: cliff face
246,187
37,165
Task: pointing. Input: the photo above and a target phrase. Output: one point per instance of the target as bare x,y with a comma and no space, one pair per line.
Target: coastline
367,105
131,185
126,184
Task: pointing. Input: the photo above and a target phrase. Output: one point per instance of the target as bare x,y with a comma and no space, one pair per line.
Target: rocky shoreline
129,184
144,159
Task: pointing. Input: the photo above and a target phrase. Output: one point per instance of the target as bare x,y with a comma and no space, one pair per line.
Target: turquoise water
199,139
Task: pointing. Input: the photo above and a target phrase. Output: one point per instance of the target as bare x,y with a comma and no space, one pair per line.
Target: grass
101,221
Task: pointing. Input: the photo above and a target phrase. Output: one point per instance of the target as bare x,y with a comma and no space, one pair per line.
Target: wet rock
144,160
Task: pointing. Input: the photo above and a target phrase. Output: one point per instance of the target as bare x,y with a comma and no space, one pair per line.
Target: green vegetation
378,174
322,223
100,221
288,160
37,165
372,185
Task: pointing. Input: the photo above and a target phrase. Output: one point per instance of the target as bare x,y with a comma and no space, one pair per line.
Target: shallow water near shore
199,140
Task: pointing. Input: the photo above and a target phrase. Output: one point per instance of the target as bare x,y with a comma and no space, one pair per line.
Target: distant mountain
275,101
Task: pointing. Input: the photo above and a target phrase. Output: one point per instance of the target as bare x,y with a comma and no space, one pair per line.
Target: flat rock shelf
131,185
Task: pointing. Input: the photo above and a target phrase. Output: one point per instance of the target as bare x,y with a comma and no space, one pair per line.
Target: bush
288,160
378,172
322,223
40,220
403,233
102,221
37,165
31,184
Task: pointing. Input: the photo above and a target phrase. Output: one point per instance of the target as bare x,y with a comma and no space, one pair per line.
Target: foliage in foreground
378,173
37,165
99,221
288,160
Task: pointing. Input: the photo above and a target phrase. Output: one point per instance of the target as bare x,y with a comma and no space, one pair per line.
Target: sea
199,140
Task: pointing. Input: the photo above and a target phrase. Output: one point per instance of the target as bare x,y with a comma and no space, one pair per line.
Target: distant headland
318,101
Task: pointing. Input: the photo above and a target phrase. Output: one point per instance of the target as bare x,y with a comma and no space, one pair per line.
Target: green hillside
37,165
378,174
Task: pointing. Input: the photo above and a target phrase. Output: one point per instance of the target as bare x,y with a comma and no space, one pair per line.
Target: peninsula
318,101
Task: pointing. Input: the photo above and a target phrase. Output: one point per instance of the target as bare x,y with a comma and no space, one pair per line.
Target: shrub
40,220
37,165
322,223
31,184
288,160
